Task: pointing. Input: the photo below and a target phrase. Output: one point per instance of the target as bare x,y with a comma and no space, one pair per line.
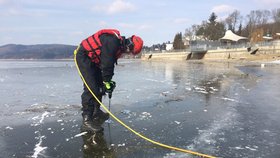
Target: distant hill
39,51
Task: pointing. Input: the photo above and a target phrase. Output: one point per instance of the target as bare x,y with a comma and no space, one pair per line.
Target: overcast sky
70,21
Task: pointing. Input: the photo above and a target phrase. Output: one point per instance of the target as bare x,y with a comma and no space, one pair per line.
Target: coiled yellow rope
130,129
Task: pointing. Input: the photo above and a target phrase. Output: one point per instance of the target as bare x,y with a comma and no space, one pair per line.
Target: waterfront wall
165,56
256,53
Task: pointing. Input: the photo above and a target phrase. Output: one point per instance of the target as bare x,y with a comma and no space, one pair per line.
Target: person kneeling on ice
96,57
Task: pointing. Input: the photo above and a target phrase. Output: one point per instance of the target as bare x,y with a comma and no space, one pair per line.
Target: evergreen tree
213,17
211,30
178,41
239,29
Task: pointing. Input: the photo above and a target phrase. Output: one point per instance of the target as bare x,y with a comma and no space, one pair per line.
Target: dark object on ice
189,56
254,51
249,49
150,56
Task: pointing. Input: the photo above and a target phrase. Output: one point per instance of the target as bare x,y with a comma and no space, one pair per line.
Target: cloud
118,6
222,9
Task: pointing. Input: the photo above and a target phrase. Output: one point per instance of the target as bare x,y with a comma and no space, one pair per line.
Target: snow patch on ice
45,114
229,99
200,90
38,148
250,148
205,90
175,155
80,134
165,93
253,148
109,121
59,121
42,117
9,128
213,89
238,148
123,144
35,104
145,115
153,80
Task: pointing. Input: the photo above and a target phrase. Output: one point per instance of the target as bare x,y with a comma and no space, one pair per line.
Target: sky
70,21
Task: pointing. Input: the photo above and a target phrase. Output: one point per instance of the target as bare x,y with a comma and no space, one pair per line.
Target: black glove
109,86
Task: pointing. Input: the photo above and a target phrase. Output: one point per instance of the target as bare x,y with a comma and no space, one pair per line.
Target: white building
169,46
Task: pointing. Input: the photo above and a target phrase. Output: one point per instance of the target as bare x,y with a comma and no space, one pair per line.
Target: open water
220,109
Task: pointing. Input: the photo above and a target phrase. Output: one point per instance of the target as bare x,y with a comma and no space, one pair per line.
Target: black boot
91,125
101,116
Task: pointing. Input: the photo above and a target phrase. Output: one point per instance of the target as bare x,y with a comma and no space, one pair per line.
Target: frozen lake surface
221,109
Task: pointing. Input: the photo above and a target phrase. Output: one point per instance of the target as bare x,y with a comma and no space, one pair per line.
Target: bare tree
191,32
264,17
276,15
256,18
259,17
233,20
276,19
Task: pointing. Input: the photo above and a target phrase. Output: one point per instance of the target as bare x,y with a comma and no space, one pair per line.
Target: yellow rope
138,134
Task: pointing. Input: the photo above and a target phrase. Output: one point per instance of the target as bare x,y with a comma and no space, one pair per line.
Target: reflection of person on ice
96,57
96,146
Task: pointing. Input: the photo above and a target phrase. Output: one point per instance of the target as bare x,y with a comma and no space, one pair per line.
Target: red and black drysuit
96,58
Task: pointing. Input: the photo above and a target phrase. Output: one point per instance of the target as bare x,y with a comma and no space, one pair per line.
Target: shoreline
175,58
243,61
